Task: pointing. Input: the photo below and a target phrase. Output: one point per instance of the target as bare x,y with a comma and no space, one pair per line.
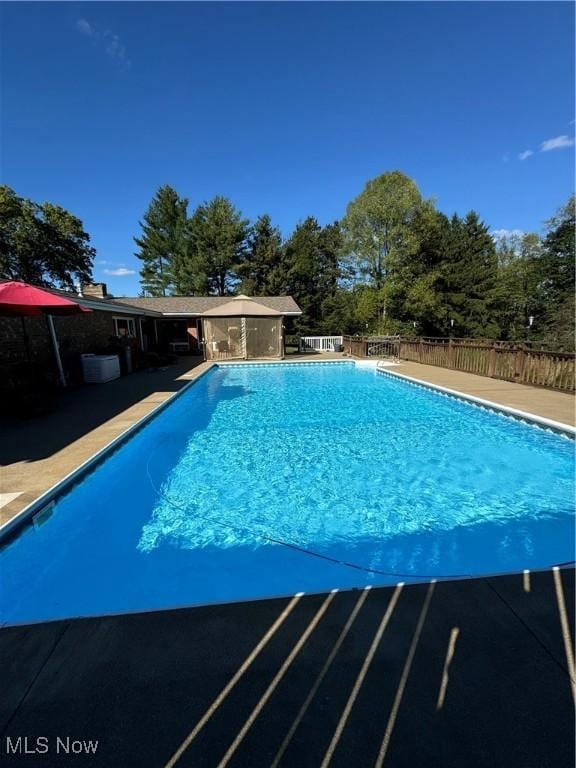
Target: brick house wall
76,334
13,347
84,333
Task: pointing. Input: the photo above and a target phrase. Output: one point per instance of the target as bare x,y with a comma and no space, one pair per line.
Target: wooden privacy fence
555,370
372,346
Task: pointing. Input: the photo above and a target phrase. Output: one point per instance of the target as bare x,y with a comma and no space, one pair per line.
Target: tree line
392,264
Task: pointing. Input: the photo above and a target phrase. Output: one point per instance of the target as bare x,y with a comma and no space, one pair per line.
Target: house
76,334
224,327
166,324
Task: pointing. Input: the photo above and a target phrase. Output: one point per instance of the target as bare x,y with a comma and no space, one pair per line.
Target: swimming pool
267,480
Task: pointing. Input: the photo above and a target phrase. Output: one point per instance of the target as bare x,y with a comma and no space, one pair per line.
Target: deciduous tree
379,228
519,276
558,279
42,243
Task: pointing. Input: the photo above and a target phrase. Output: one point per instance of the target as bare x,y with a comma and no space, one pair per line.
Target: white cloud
109,41
504,234
115,50
558,142
119,272
85,27
526,154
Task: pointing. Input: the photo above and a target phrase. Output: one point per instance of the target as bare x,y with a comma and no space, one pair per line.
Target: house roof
178,305
242,306
199,305
105,305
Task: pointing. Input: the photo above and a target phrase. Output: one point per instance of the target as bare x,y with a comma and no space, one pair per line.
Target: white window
124,326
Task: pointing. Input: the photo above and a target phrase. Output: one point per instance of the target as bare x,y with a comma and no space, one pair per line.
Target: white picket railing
319,343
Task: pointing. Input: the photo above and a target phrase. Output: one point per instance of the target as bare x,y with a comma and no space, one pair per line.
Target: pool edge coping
541,421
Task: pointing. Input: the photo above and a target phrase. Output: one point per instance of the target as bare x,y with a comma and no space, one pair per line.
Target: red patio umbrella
23,300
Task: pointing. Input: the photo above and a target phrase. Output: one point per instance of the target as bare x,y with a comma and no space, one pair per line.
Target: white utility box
98,369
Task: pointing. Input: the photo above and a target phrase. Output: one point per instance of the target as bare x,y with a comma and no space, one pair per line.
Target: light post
530,322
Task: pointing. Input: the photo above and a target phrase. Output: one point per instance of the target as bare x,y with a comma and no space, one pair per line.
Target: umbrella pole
26,339
56,349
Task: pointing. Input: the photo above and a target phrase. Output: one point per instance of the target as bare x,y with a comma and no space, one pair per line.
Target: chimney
98,290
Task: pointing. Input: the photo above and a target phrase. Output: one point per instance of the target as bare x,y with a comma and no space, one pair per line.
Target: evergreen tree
163,241
312,269
190,266
302,258
42,244
470,275
339,314
215,249
259,270
278,280
332,300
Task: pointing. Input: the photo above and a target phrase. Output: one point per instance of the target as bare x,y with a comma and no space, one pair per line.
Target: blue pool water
347,463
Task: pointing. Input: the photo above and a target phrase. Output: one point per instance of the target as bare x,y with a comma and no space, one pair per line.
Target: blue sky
286,108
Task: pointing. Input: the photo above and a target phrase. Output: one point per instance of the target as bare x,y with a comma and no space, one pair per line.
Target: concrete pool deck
557,406
36,454
472,673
